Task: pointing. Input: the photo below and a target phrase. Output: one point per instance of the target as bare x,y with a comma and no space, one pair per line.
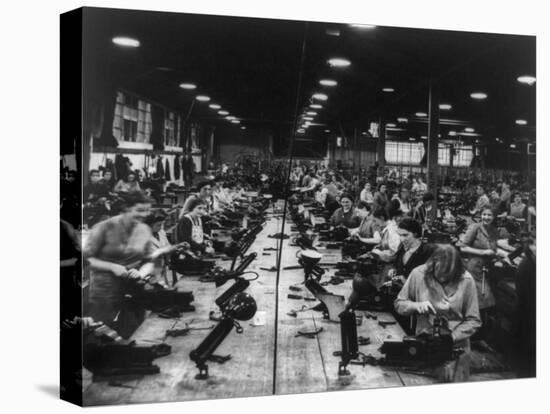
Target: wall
231,142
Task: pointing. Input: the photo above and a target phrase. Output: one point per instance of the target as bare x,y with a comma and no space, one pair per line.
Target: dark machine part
311,271
240,306
350,345
123,358
304,241
426,349
353,248
157,298
338,234
245,262
441,233
364,267
332,305
220,276
367,297
240,285
208,346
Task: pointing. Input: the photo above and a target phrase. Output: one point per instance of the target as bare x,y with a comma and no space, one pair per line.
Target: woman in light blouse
442,287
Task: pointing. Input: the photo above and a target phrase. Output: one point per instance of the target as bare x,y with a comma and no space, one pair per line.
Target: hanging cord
286,187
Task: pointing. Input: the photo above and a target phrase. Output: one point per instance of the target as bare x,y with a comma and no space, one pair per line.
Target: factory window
132,120
408,153
171,130
462,155
444,155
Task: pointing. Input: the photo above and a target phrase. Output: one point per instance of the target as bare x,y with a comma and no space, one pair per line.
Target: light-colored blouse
456,302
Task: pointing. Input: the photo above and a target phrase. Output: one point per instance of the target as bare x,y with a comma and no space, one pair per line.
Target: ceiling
265,71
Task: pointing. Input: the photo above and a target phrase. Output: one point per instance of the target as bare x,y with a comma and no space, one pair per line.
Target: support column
433,127
381,144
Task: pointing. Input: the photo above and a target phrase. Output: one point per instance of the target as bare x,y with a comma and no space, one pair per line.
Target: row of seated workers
456,279
402,227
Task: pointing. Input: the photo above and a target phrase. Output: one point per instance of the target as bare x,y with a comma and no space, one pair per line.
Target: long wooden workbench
266,360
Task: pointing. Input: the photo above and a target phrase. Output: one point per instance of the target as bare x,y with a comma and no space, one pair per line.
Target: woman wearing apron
190,230
118,250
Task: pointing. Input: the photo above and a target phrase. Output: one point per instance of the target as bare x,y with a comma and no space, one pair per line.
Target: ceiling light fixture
521,122
512,145
338,62
388,90
469,129
445,107
215,106
223,113
328,82
307,118
126,41
320,96
402,120
391,125
188,86
230,117
363,26
316,106
452,133
312,113
421,114
478,95
202,98
235,121
327,130
243,127
527,79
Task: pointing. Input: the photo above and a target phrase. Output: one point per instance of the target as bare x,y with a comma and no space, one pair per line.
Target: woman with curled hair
444,288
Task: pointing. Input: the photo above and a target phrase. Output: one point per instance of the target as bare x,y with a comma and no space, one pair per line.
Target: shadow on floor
50,389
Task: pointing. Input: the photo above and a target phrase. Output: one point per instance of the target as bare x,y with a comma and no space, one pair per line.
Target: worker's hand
424,307
392,273
119,270
399,279
135,274
209,250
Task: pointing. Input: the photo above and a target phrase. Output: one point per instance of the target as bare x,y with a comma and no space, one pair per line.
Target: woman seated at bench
130,185
443,288
190,228
347,214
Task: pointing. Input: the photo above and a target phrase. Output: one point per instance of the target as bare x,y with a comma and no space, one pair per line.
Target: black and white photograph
261,207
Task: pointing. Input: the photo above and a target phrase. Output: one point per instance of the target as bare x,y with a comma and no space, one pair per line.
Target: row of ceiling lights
130,42
336,62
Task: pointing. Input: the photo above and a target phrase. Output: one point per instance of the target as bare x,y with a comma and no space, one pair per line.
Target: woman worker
190,229
368,231
118,250
443,288
130,185
479,246
412,252
162,247
345,215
